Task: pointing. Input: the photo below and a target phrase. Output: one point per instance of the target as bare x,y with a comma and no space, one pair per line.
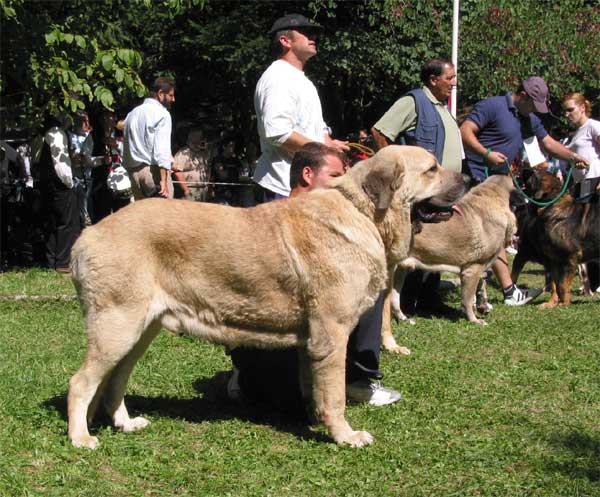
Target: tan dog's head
396,180
409,175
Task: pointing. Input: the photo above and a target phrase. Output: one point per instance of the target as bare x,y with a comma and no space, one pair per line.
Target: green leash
536,202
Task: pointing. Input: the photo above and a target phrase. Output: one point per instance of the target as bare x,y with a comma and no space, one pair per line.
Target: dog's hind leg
82,389
387,338
481,297
115,389
327,350
469,280
111,336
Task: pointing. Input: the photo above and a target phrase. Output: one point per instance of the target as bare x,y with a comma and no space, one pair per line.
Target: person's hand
342,146
579,162
164,189
542,166
496,158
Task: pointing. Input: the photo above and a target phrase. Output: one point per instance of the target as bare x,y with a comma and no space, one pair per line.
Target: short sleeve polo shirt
502,129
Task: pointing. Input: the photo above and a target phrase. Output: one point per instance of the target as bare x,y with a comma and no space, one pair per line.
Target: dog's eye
433,169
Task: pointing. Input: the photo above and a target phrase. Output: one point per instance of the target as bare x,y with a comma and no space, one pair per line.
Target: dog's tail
82,271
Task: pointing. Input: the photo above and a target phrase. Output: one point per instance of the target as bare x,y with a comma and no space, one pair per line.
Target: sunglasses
569,109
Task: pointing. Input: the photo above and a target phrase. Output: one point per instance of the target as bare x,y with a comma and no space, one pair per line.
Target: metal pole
455,14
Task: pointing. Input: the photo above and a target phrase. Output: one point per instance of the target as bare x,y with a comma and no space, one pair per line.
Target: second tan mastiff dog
297,272
466,244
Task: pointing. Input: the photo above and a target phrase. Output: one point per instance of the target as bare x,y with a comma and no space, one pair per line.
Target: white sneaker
373,393
522,297
234,391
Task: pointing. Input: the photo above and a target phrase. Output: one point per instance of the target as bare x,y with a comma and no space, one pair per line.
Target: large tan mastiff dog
466,244
297,272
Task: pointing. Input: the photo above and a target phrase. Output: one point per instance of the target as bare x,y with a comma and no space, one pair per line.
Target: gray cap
293,21
537,89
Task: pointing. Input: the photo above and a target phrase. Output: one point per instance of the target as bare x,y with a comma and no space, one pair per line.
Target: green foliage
503,42
59,63
68,53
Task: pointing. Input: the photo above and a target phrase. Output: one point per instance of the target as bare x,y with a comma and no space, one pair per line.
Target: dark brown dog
558,236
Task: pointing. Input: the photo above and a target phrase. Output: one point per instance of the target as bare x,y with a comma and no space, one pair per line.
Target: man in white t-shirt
287,104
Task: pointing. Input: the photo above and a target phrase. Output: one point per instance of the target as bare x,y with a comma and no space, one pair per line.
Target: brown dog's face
542,185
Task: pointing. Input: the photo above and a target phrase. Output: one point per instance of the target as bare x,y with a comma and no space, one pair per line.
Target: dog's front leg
553,302
327,350
565,281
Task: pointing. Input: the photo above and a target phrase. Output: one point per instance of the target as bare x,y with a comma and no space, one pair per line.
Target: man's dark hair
311,155
162,83
433,67
276,46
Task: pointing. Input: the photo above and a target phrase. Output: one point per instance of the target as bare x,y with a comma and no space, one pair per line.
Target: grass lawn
511,409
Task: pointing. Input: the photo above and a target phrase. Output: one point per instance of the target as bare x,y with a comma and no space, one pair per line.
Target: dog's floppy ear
382,181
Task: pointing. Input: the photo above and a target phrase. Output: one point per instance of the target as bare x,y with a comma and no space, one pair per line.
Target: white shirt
285,100
58,141
148,136
585,144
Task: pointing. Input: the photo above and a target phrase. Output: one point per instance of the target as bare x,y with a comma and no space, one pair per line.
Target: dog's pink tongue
456,209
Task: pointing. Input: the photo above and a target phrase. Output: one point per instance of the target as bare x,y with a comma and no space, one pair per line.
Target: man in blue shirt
493,134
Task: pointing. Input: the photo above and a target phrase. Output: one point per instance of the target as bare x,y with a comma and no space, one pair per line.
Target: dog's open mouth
430,213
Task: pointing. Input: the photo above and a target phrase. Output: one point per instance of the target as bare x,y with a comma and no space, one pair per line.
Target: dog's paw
390,345
134,424
357,439
402,318
400,350
481,322
547,305
87,442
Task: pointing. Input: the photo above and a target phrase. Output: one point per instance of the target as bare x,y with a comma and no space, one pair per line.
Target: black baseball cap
294,21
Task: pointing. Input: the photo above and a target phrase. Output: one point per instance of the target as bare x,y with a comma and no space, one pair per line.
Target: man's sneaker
234,391
522,297
372,393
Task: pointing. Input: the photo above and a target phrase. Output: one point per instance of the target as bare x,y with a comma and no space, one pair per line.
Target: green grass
511,409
